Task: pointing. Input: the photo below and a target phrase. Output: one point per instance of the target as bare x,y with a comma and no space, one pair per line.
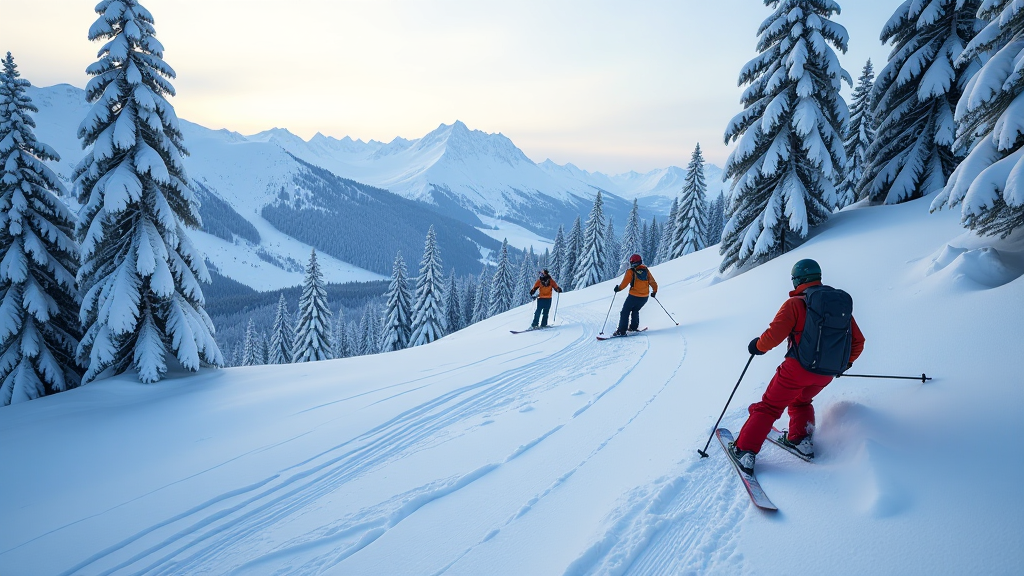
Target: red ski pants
793,388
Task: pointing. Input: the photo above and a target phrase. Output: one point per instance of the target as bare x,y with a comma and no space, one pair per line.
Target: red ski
757,495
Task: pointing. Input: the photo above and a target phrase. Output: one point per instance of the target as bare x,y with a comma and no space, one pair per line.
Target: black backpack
827,336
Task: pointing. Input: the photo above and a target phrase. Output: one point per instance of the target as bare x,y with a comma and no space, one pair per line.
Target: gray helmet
805,271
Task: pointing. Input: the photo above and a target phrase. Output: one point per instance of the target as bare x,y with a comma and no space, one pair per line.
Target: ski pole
704,453
666,311
609,312
923,377
554,316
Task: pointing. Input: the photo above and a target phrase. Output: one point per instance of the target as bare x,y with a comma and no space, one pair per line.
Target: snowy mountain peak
458,143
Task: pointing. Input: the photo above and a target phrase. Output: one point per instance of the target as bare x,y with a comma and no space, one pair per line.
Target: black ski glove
654,294
752,348
616,288
559,290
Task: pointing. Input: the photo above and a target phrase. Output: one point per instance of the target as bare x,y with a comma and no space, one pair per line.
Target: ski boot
805,446
744,459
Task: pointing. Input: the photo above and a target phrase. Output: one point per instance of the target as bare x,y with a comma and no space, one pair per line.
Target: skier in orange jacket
545,284
641,284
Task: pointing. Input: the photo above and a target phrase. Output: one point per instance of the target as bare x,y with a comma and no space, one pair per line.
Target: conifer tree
668,232
573,248
989,183
632,238
557,255
428,322
342,346
612,249
39,328
372,340
653,238
264,349
524,280
790,154
469,287
645,241
503,284
692,218
716,220
483,297
250,354
312,340
915,97
140,274
237,353
860,132
593,255
398,311
452,304
281,335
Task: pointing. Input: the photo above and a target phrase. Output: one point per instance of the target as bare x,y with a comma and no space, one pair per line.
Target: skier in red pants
793,386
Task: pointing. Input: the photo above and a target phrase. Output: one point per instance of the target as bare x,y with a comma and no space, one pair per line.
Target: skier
545,284
793,386
640,282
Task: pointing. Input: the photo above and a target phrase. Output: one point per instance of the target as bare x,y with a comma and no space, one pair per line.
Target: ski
633,333
776,434
757,495
530,329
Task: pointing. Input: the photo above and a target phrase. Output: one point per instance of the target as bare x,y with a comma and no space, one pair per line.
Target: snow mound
977,269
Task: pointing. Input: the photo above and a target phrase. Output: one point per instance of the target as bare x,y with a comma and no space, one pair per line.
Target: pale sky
609,86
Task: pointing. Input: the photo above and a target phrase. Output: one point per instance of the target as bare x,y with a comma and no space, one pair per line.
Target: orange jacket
789,321
545,291
640,287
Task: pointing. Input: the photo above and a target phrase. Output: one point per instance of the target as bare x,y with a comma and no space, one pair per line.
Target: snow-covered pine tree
398,311
140,274
668,231
716,220
915,97
237,353
359,347
545,259
593,256
860,133
570,263
692,219
356,331
39,328
250,354
989,183
263,351
468,288
342,348
790,154
452,304
645,241
526,275
372,338
312,341
483,296
503,284
632,239
557,256
612,249
653,237
428,317
281,335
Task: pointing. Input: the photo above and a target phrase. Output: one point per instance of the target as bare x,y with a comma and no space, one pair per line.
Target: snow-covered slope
552,453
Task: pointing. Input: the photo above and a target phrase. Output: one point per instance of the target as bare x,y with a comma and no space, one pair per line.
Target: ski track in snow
225,534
